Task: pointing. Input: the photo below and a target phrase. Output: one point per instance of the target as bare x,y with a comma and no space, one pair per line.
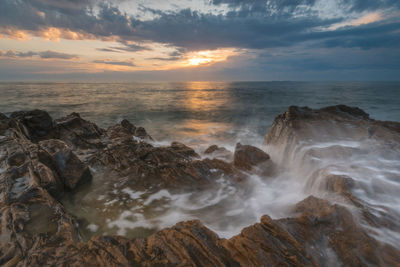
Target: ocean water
218,111
200,114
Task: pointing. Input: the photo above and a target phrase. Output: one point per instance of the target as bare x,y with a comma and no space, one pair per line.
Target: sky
213,40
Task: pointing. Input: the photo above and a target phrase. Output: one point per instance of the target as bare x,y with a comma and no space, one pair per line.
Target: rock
183,150
35,124
78,133
141,133
127,130
4,120
246,157
16,158
320,125
219,152
39,162
293,242
69,167
211,149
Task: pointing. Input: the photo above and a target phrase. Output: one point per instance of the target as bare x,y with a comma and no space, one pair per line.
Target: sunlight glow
208,57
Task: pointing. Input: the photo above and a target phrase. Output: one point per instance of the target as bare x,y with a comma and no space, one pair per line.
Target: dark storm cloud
45,54
364,5
263,5
351,5
194,30
248,24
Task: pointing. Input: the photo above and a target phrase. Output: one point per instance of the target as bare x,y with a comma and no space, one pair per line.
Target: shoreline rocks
41,159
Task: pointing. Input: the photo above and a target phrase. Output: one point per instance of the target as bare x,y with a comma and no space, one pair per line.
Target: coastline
45,159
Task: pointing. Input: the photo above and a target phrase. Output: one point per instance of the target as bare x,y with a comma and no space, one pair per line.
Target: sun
208,57
195,61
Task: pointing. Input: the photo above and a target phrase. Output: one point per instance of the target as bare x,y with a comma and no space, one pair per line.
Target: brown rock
183,150
246,157
70,169
78,133
36,124
127,130
4,120
219,152
36,230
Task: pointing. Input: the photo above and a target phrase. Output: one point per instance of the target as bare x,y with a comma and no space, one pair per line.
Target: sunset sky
157,40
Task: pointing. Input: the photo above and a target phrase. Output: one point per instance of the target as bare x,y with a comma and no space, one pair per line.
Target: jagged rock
246,157
320,125
183,150
78,133
289,242
3,123
35,124
127,130
219,152
69,167
39,162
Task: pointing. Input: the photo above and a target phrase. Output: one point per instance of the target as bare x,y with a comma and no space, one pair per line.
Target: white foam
133,194
93,227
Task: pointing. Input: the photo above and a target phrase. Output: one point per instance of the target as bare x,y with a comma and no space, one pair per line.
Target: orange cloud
51,34
14,34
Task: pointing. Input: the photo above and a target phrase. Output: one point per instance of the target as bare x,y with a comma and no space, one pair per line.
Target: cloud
247,24
44,54
251,24
108,50
117,63
368,5
266,6
53,54
126,47
171,58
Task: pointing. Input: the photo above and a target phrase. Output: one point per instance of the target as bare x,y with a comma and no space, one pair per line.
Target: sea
220,111
200,114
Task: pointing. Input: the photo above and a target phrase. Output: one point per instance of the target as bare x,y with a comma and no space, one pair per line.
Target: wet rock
36,124
4,120
246,157
183,150
320,125
16,158
78,133
340,230
127,130
219,152
69,167
40,163
211,149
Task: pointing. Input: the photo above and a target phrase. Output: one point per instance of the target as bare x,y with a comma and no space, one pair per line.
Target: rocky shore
43,160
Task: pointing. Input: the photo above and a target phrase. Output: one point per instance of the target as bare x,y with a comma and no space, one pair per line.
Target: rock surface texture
42,159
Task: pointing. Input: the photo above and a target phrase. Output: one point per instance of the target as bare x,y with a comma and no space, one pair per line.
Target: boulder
246,157
36,124
4,120
127,130
39,163
78,133
218,152
183,150
71,170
